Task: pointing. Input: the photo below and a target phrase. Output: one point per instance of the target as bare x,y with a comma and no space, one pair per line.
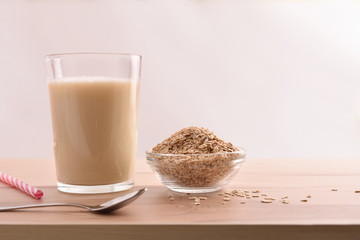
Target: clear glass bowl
196,173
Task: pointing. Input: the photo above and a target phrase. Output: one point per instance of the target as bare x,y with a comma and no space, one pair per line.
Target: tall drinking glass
93,100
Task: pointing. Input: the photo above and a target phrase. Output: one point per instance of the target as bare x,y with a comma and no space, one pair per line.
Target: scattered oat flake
304,200
196,203
255,196
334,189
269,198
284,197
357,191
171,198
223,203
308,196
248,197
226,199
202,198
264,194
266,201
242,202
285,201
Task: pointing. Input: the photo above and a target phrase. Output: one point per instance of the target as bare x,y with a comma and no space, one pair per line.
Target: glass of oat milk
93,100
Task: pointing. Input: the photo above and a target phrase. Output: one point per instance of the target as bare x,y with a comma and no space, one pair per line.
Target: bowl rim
241,151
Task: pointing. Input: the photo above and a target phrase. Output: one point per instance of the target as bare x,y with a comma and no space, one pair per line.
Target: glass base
84,189
195,189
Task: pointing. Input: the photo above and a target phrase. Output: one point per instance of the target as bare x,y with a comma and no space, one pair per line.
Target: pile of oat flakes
193,140
200,158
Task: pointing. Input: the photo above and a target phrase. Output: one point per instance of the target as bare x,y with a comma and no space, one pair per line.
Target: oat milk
94,129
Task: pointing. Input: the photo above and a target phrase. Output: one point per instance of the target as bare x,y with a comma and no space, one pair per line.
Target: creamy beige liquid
94,129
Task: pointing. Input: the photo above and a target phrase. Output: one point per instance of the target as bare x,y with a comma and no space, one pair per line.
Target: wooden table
327,214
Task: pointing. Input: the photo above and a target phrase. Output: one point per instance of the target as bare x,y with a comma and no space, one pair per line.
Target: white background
280,78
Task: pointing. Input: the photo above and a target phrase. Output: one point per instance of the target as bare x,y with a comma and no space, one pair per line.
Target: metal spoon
105,207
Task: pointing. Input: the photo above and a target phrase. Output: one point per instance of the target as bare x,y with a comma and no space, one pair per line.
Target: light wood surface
327,214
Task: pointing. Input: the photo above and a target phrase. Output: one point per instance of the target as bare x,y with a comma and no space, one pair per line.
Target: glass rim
52,55
241,151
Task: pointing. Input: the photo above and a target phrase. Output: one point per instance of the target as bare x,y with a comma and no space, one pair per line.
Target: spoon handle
2,209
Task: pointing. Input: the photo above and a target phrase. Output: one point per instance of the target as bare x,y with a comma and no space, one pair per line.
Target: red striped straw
22,186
